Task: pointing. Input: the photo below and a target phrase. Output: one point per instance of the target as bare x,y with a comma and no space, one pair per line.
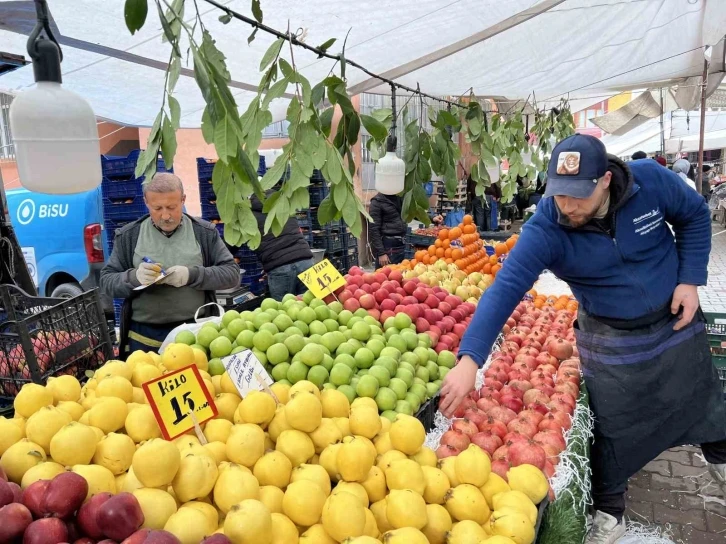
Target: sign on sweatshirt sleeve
532,254
688,212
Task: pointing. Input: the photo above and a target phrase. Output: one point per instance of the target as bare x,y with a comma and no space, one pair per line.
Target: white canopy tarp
688,144
546,47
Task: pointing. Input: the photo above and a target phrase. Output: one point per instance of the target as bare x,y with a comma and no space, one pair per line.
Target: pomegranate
559,405
530,415
487,441
456,439
465,426
539,407
560,348
476,416
494,384
549,469
570,376
527,453
495,426
522,385
464,406
553,456
550,438
515,404
510,391
503,414
522,426
513,437
485,403
446,450
565,397
501,454
534,395
567,387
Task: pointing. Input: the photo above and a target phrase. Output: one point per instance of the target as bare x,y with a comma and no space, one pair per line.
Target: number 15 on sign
322,279
173,397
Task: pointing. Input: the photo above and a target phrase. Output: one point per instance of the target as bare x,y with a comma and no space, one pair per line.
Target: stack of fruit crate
253,276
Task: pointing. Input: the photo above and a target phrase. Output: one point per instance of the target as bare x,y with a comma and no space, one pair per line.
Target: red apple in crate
65,494
88,513
367,302
14,519
120,516
456,439
446,450
33,497
465,426
46,531
351,304
527,453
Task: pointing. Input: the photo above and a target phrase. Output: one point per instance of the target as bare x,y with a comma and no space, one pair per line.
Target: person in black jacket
283,257
387,232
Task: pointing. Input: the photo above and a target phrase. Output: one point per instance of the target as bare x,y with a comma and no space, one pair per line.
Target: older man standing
190,251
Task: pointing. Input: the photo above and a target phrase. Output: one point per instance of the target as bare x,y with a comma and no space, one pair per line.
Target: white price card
247,372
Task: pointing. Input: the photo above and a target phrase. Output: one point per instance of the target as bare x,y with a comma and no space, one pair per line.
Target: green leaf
300,199
333,169
168,143
325,46
247,171
271,53
326,211
340,194
174,70
353,128
350,211
276,91
228,194
251,37
168,31
326,119
287,70
298,180
318,93
214,56
319,153
225,139
374,127
275,173
270,202
207,127
257,10
135,12
175,111
305,163
384,115
225,19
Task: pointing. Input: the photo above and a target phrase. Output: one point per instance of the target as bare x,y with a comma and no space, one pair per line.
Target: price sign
174,395
322,279
247,372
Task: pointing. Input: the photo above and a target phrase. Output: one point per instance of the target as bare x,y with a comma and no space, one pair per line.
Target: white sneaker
605,529
718,472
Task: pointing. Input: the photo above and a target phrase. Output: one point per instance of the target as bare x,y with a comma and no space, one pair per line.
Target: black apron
651,388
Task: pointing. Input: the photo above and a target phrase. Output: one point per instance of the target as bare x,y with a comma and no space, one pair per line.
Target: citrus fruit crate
419,240
716,331
427,413
42,337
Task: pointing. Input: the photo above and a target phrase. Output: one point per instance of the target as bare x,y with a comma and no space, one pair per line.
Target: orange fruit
437,243
493,260
459,264
496,268
457,254
501,249
469,228
432,250
446,244
433,259
468,220
440,252
426,259
448,253
454,233
449,261
443,234
511,242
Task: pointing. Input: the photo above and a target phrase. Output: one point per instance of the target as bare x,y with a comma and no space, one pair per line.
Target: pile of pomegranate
52,511
521,412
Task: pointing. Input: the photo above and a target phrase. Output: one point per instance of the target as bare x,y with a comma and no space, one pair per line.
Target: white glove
176,276
146,273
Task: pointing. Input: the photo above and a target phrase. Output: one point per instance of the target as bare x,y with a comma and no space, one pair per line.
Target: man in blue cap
602,227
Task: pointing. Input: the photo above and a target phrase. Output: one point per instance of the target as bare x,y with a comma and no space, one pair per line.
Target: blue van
62,239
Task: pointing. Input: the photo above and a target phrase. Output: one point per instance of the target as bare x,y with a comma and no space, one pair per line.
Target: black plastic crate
328,240
349,240
256,283
351,259
716,331
309,219
43,337
317,194
418,240
130,208
317,178
427,412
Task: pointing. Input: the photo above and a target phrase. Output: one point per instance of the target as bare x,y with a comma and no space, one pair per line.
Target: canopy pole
662,128
704,82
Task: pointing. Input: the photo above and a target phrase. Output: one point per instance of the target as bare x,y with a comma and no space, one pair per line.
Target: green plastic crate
716,329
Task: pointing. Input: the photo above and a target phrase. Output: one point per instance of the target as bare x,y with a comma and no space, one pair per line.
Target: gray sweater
218,271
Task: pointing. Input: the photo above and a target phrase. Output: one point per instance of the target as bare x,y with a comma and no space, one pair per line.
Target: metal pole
662,127
704,81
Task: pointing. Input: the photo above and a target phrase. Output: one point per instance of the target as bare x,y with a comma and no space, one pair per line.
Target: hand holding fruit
459,382
383,259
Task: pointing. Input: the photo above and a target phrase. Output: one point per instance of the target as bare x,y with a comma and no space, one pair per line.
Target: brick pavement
669,492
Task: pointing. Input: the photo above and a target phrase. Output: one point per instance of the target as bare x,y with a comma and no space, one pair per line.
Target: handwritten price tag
247,373
322,279
173,396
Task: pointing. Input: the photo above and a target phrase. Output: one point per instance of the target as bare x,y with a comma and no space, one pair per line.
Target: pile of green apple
333,348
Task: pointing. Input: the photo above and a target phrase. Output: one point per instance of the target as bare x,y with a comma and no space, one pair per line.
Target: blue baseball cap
576,164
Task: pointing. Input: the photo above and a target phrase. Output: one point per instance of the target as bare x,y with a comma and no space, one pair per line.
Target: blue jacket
624,276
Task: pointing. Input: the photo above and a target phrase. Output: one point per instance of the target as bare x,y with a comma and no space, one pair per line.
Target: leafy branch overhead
314,143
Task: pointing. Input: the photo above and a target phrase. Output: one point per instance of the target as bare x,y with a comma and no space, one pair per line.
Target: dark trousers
283,279
146,337
395,250
481,212
611,499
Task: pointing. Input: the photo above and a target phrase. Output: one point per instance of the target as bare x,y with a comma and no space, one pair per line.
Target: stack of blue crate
123,199
253,276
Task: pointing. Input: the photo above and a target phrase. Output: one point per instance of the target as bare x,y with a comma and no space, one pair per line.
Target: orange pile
563,302
462,246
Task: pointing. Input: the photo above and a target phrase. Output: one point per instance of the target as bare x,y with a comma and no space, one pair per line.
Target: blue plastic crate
317,194
209,211
206,191
317,177
121,188
124,210
117,305
255,283
114,166
205,167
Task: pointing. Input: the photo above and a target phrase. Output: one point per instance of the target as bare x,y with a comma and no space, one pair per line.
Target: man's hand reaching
383,259
459,382
685,297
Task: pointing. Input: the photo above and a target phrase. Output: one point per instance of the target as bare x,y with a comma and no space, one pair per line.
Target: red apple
431,301
65,494
120,516
422,325
14,519
388,304
46,531
351,304
33,496
149,536
381,295
88,513
368,302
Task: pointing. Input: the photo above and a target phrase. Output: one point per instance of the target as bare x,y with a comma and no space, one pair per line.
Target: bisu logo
27,211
